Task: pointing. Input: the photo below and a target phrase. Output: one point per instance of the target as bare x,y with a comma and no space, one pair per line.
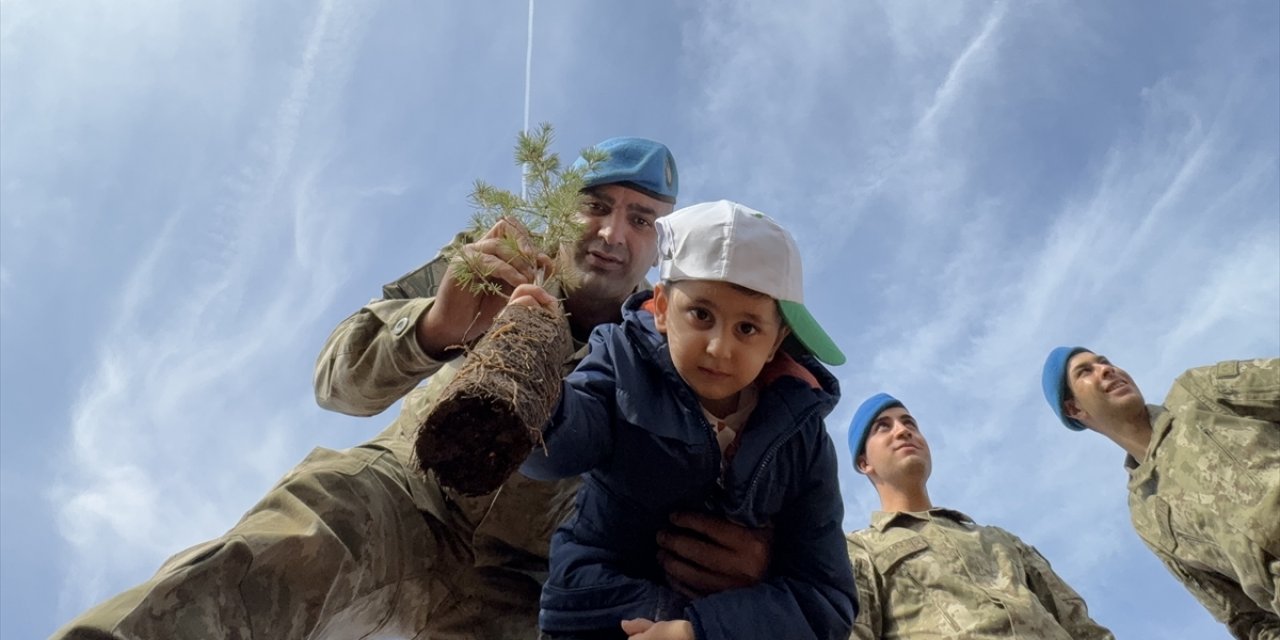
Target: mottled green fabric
1206,498
357,543
937,574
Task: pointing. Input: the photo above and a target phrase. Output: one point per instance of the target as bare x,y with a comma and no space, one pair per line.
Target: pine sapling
488,418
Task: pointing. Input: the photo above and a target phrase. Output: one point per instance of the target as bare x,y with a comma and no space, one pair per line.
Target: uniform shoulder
862,537
861,544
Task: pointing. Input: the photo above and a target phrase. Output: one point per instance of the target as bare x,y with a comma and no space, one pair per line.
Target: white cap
728,242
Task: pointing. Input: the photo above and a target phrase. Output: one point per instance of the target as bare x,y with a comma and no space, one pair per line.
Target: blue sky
192,195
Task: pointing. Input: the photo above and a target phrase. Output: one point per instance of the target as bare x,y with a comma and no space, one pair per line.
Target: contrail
528,76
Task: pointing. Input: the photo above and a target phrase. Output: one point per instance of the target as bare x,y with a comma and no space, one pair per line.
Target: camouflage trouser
338,549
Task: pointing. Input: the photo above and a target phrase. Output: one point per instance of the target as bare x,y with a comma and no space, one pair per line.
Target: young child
689,404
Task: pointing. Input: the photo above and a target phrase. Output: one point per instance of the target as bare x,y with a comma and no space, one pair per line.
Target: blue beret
640,163
1054,382
864,416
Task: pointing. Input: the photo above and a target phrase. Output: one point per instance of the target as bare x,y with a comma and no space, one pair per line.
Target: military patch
890,556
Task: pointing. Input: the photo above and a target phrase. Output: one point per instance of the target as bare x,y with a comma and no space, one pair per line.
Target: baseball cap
1054,382
866,414
729,242
639,163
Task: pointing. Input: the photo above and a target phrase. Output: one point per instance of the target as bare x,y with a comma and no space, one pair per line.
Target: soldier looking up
928,571
1204,473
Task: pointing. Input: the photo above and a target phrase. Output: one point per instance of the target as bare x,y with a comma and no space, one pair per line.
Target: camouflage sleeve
1226,601
372,359
1067,607
868,625
1245,388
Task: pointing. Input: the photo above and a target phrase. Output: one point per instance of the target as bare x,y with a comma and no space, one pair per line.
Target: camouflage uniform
1206,498
936,574
355,543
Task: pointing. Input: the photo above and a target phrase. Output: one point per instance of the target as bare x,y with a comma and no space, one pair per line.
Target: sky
192,195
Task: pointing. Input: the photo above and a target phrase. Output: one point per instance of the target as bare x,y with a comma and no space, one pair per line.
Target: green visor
810,333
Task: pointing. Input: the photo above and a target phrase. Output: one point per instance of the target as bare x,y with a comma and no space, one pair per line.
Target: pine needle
549,211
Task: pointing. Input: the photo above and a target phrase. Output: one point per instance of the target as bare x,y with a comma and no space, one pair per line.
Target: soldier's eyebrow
636,207
599,194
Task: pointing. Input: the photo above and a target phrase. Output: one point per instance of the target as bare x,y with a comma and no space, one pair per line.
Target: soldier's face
1102,392
896,450
619,243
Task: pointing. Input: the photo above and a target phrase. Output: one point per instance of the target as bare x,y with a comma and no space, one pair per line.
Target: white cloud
159,460
973,184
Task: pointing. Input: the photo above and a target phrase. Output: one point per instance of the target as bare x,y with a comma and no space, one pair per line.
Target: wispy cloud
157,461
948,287
973,183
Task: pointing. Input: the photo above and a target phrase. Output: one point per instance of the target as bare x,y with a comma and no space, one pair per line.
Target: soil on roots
488,419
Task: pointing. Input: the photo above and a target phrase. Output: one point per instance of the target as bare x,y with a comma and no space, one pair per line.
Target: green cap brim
810,333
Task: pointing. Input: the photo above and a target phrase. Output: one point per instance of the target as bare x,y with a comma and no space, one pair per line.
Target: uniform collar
881,520
1161,423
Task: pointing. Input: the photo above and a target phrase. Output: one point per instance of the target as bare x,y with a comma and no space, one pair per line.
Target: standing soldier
925,571
1204,473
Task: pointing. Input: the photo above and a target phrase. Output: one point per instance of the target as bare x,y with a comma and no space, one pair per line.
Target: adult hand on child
645,629
703,554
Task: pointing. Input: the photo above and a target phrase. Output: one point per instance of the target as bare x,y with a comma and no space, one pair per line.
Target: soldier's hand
459,315
703,554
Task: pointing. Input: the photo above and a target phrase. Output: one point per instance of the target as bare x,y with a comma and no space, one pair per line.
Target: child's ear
660,304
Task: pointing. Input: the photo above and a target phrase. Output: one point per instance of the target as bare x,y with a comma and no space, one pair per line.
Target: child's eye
748,329
700,314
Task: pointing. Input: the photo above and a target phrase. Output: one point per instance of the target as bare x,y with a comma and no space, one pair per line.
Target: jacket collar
881,520
1161,424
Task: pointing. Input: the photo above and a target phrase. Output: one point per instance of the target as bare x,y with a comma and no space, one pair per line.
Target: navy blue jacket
636,430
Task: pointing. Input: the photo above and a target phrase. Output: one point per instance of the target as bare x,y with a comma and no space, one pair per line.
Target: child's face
720,336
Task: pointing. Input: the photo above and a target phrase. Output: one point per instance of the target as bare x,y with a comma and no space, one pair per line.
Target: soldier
929,571
1204,473
356,543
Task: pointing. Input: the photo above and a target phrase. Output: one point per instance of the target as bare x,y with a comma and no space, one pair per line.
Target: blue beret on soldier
639,163
864,416
1054,382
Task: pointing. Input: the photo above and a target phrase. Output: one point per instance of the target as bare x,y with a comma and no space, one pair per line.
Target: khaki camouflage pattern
356,543
1206,499
937,574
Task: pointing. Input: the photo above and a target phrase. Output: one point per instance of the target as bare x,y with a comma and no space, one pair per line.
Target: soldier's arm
869,623
383,351
1245,388
1227,602
373,357
1067,607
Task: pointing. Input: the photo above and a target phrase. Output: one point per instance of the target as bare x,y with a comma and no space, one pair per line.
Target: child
689,404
